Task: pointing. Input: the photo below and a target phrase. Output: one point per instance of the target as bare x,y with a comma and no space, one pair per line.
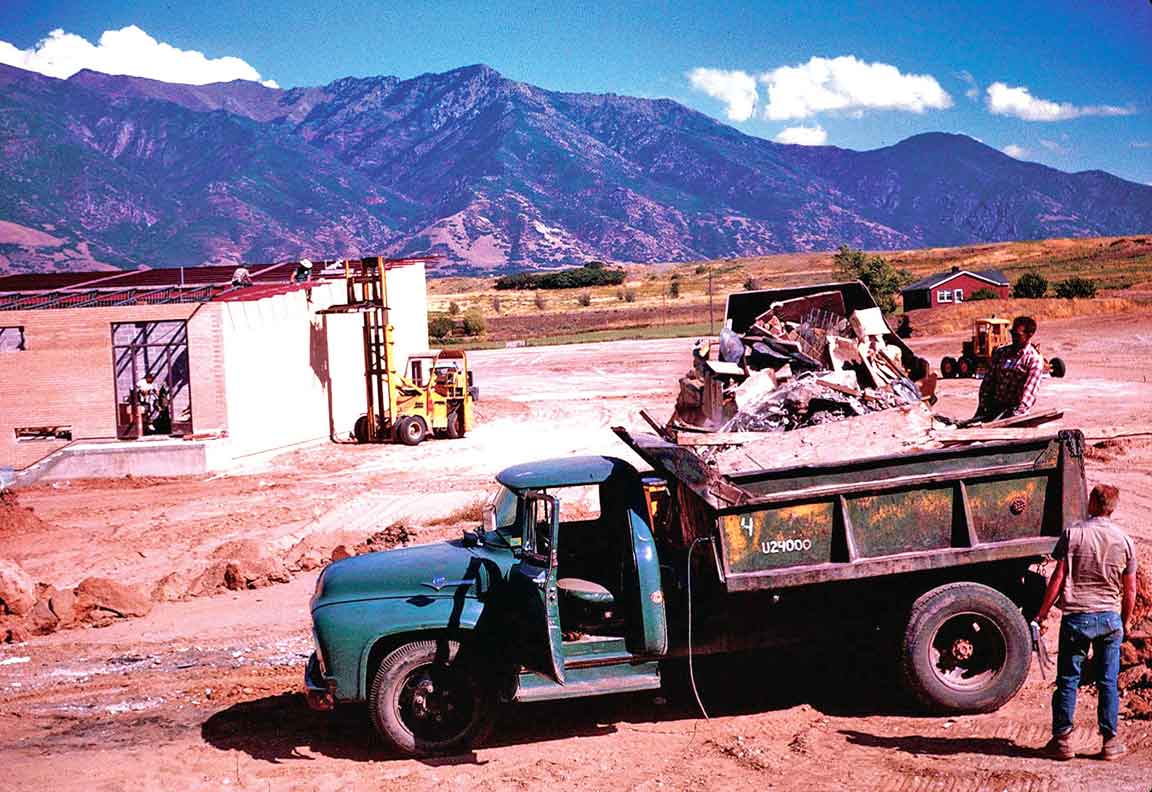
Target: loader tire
965,367
966,649
948,367
1057,367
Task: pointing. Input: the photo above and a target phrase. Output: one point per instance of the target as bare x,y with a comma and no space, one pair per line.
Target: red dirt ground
205,693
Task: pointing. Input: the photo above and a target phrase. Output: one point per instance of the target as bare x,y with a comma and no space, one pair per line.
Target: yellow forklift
434,393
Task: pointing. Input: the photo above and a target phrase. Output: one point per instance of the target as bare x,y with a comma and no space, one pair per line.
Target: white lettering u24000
785,545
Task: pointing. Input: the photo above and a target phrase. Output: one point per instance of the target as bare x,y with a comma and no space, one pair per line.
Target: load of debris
803,362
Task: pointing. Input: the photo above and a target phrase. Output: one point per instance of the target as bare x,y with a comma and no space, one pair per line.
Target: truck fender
424,618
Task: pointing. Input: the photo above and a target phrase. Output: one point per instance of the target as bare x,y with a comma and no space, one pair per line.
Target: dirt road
204,694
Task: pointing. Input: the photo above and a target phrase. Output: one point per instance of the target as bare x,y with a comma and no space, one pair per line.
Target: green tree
474,324
454,308
1030,286
1076,287
876,272
440,326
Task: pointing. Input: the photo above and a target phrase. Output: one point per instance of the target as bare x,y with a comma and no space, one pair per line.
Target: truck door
533,588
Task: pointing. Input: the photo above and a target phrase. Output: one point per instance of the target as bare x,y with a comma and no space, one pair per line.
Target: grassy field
643,306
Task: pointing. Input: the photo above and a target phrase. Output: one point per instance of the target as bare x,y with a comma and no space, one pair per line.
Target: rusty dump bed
928,510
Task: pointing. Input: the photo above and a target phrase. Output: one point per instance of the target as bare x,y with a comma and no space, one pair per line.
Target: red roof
169,285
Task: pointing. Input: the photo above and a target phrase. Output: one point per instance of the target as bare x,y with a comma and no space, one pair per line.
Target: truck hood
433,570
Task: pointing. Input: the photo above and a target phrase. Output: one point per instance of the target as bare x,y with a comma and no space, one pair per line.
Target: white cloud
803,136
1053,146
973,89
736,89
1141,144
129,51
1014,151
847,84
1019,102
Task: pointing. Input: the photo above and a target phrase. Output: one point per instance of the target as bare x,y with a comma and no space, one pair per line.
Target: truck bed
797,526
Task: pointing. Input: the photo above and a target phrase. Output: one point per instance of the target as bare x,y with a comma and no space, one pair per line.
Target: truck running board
589,681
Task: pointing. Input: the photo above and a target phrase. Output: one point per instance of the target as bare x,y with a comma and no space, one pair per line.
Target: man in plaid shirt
1013,377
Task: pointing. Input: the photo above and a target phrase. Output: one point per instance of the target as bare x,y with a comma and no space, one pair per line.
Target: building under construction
96,364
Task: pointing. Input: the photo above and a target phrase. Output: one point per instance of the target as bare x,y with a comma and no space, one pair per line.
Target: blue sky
1067,84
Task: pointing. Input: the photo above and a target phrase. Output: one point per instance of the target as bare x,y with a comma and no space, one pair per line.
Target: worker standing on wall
1013,379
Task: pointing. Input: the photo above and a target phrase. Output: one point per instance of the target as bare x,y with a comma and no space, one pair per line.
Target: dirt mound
1135,679
17,519
17,589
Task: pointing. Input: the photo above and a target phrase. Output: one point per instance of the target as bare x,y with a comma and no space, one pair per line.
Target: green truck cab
546,600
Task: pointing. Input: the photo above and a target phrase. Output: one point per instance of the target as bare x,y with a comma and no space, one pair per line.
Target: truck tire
965,367
455,428
966,649
948,367
1056,367
410,430
424,704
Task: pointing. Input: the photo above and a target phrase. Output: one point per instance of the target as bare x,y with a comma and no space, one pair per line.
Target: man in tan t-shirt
1095,581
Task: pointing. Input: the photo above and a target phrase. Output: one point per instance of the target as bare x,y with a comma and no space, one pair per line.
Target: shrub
585,299
674,288
1030,286
454,308
751,284
982,294
592,274
440,326
496,305
630,295
1076,287
620,295
701,269
875,272
540,302
473,324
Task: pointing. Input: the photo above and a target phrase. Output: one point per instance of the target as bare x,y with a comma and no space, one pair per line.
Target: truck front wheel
425,701
966,649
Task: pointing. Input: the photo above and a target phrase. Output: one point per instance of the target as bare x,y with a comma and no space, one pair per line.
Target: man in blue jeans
1095,585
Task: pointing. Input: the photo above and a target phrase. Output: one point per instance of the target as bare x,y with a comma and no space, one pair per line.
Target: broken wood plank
660,430
1028,419
719,438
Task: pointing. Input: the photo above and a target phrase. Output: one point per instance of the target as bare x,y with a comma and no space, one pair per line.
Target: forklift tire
455,428
360,430
410,430
948,367
965,367
966,649
1056,366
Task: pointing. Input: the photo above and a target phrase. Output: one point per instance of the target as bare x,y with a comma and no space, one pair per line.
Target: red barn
954,286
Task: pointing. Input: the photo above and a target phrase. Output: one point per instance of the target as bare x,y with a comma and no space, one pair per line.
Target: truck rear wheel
424,701
948,367
966,649
965,367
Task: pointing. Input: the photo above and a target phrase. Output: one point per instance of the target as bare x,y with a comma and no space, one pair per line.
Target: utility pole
711,321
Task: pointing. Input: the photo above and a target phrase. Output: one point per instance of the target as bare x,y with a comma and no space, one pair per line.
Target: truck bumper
320,692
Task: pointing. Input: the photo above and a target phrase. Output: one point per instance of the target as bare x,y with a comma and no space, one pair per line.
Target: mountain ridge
491,173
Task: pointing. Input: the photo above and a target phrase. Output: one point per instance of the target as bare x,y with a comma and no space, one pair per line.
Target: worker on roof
303,271
1013,379
241,277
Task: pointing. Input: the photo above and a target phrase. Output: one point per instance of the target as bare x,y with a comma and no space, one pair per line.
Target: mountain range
490,173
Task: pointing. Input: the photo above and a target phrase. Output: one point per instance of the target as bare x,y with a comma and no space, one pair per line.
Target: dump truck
554,598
